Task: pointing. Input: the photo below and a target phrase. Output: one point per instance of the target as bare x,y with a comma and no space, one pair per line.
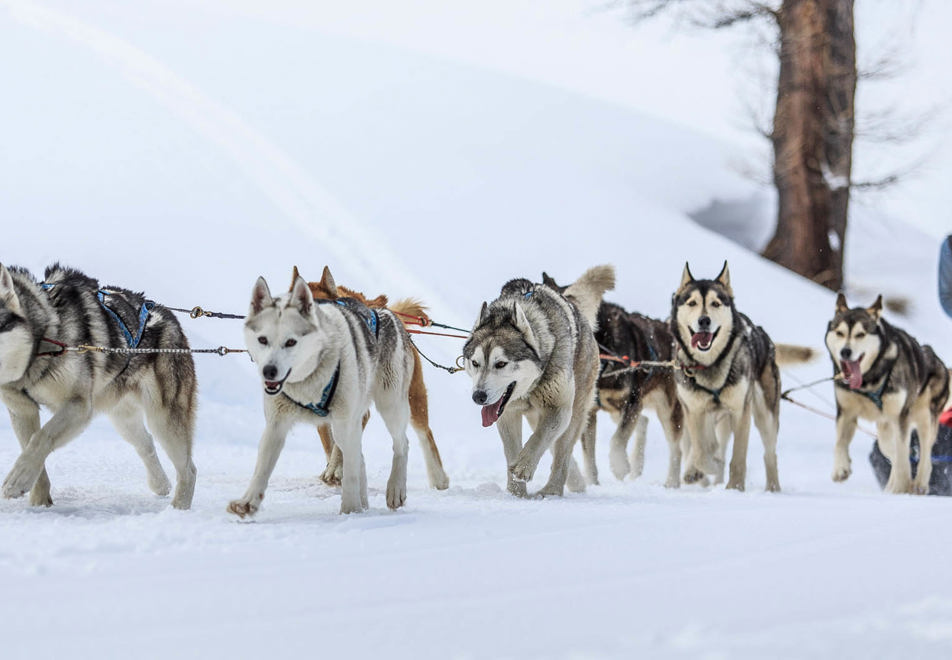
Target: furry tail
789,354
410,307
588,290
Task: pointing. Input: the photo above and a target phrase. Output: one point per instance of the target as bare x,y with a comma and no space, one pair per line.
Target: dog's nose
479,397
845,353
270,372
704,322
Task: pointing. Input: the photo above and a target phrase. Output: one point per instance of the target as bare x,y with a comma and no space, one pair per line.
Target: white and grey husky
533,354
71,309
325,362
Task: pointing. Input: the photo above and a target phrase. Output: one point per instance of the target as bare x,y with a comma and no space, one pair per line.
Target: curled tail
410,307
790,354
588,290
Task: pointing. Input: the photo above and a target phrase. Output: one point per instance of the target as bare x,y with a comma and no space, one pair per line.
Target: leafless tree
814,120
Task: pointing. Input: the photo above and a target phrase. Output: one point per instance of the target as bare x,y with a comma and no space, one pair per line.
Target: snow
185,148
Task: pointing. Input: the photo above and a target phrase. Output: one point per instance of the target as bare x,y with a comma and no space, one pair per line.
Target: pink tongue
701,338
490,414
852,373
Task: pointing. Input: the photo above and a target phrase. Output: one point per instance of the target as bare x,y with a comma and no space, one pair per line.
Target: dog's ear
841,305
724,279
260,296
8,294
876,309
522,324
483,315
327,281
686,277
294,275
548,281
301,297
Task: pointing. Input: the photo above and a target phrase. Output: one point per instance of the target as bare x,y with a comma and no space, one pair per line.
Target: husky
69,309
623,392
729,372
532,354
328,289
324,364
885,376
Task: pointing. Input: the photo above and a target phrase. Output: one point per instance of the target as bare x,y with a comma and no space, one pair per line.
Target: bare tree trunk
813,137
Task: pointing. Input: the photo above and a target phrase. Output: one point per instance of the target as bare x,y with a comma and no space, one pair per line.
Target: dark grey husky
69,308
532,354
887,377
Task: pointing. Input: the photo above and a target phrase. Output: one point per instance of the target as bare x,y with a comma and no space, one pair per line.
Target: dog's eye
692,303
716,304
475,364
501,364
290,342
263,341
860,335
840,334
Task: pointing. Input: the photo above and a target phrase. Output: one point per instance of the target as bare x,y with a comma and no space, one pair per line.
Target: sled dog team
551,354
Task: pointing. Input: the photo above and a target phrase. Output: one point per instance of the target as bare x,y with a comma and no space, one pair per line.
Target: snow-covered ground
185,148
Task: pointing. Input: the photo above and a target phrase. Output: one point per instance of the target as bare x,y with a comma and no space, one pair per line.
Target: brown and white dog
327,289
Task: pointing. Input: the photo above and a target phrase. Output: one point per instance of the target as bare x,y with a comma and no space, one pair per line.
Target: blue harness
368,315
132,340
322,407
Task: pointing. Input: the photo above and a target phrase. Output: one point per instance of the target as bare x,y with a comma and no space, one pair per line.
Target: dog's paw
347,507
517,488
672,482
396,495
842,472
522,470
20,480
618,462
549,491
40,498
919,489
244,507
440,480
773,486
160,484
693,476
736,484
898,487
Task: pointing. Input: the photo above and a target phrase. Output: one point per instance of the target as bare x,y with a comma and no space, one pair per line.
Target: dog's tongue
852,373
491,413
704,338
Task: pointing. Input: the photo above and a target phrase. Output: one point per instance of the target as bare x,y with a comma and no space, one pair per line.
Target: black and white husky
325,362
729,374
532,354
888,378
71,309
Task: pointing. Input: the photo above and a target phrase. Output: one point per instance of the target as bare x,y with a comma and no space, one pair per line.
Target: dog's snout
846,352
270,372
704,322
479,397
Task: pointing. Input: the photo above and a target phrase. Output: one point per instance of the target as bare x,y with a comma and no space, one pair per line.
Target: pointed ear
301,297
686,277
294,275
522,324
483,315
260,296
841,305
327,282
876,309
724,279
548,281
8,294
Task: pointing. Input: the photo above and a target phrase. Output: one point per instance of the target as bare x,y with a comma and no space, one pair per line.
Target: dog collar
322,407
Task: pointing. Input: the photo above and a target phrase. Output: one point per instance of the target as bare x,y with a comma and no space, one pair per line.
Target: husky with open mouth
729,374
533,354
325,362
886,376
